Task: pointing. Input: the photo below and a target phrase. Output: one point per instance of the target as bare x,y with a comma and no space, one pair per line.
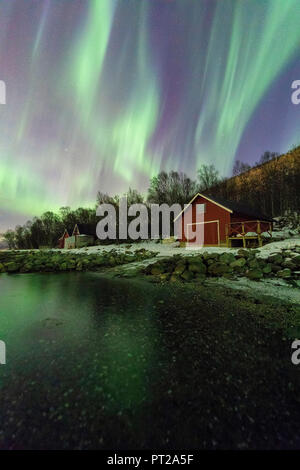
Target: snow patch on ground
287,244
170,249
163,249
276,288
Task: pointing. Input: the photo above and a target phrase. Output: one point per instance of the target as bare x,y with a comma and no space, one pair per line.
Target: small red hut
220,222
61,241
82,235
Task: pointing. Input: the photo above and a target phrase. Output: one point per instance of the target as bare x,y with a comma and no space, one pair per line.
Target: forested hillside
272,187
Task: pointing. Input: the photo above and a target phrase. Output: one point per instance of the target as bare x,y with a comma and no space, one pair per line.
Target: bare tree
267,156
208,176
240,167
171,188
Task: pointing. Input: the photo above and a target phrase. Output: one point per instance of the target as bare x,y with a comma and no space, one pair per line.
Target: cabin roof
65,232
230,206
86,229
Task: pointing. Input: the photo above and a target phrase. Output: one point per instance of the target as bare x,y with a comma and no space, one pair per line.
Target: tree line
271,185
169,188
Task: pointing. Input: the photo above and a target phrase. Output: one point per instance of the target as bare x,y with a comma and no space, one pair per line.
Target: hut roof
86,229
64,233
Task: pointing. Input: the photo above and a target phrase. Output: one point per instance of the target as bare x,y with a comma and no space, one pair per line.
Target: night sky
103,94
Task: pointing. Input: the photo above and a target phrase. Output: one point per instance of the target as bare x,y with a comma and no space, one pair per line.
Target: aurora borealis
103,94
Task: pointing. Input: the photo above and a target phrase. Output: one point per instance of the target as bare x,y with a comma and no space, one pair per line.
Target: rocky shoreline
284,264
252,264
60,261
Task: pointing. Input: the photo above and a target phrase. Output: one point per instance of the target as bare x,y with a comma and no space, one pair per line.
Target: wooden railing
248,229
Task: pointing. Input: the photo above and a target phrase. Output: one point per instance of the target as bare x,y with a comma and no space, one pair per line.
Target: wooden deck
240,231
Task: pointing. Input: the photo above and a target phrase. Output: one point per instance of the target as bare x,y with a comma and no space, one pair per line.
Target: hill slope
273,187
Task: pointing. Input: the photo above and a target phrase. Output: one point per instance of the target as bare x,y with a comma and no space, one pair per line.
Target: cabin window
201,208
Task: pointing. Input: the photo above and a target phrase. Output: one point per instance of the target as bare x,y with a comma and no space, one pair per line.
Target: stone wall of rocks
286,226
289,221
284,264
49,261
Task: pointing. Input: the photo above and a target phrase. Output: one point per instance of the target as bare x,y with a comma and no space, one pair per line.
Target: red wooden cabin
220,222
61,241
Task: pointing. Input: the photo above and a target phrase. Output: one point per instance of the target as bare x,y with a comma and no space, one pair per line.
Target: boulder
98,261
253,263
254,274
238,263
275,258
267,269
63,267
197,267
296,259
218,269
71,264
156,270
26,268
12,267
254,252
275,268
186,275
242,253
227,258
85,263
288,263
212,256
165,276
79,266
284,273
198,258
179,268
37,265
262,262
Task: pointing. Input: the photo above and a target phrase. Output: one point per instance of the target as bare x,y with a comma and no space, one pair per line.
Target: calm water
77,344
98,363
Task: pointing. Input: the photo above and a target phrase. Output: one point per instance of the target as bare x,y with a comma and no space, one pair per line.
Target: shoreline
263,271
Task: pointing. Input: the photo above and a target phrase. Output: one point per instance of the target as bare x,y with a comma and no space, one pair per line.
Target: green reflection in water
80,330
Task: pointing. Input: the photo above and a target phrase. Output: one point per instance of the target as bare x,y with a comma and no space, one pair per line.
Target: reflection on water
81,328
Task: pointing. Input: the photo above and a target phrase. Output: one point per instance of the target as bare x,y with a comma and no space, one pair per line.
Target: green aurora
102,95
